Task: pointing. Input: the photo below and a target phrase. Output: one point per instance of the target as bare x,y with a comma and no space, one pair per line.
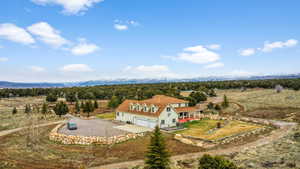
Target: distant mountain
5,84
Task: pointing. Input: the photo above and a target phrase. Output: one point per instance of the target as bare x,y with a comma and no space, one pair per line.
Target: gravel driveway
94,127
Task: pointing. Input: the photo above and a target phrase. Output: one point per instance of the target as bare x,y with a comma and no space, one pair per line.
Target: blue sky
78,40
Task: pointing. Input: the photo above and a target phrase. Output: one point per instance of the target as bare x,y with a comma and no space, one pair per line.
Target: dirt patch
273,113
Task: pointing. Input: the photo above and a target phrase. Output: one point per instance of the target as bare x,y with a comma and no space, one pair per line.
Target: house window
168,109
145,109
162,122
174,120
169,114
153,109
117,113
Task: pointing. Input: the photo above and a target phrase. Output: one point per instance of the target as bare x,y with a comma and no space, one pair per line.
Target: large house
160,110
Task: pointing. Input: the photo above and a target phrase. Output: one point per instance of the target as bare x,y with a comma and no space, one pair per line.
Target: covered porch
186,114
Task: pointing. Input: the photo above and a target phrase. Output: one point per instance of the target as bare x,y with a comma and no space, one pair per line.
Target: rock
251,165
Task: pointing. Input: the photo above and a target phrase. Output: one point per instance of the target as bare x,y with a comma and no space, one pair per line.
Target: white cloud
248,52
37,69
268,47
76,68
152,71
71,7
240,73
84,48
124,25
153,68
3,59
133,23
16,34
198,54
47,34
120,27
214,65
214,46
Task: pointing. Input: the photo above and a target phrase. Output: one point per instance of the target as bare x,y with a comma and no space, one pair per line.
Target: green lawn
108,116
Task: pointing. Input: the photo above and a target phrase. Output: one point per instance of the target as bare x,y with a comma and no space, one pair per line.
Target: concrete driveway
133,128
93,127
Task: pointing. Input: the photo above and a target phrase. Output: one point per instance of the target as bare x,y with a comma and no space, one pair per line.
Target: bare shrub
33,133
278,88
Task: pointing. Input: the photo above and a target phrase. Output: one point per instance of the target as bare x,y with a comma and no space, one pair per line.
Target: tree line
144,91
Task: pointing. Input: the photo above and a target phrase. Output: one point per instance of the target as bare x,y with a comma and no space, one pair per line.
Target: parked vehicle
72,126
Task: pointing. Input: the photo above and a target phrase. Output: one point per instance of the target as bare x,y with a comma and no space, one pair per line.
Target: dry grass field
266,103
10,121
203,129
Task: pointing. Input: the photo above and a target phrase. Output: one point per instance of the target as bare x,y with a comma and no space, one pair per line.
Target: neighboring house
160,110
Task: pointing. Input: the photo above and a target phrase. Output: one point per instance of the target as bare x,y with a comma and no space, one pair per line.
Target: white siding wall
168,118
124,117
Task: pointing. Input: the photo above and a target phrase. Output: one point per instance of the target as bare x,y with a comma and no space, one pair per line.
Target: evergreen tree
225,102
210,105
27,109
114,102
82,105
218,107
51,97
157,156
77,107
45,108
88,107
71,97
61,109
96,106
209,162
14,111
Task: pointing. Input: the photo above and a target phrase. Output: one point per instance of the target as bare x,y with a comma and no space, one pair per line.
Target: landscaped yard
206,129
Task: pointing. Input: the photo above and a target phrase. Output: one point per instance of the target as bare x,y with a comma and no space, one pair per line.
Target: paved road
284,129
93,127
6,132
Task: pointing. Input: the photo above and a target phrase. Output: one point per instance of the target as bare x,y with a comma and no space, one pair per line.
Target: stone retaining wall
87,140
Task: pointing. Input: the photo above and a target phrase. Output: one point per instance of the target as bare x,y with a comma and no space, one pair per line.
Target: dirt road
6,132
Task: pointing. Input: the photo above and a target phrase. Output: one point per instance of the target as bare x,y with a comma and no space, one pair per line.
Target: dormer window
131,107
168,109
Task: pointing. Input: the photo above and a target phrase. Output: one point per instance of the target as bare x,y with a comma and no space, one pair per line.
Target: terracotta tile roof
186,109
159,101
162,99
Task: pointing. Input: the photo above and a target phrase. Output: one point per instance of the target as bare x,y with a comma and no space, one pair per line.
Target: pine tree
45,108
77,107
61,109
157,156
14,111
88,107
96,106
217,162
114,102
51,97
225,103
27,109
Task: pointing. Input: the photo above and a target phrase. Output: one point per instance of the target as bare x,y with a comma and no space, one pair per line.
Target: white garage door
145,123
